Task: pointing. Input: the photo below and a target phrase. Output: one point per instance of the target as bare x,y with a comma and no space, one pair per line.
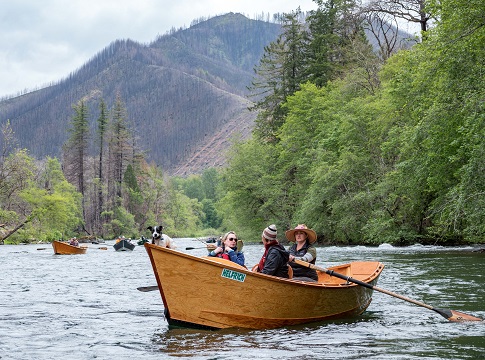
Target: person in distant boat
228,249
73,242
303,250
275,258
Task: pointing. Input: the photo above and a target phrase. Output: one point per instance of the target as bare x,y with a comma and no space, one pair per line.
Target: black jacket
276,261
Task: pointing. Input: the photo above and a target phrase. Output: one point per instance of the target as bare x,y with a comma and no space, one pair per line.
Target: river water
88,307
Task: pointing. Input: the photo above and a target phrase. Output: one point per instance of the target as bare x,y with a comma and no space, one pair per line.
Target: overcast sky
42,41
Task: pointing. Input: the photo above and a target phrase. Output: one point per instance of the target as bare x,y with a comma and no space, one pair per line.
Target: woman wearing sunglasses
228,249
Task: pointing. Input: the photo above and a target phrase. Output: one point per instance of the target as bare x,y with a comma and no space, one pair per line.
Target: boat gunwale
210,318
233,266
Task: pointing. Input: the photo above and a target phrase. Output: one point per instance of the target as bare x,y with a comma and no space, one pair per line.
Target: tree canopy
399,163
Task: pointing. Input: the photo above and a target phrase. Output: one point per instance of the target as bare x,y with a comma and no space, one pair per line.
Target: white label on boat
233,275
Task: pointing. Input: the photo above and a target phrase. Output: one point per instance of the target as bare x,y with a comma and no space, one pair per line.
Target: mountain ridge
183,92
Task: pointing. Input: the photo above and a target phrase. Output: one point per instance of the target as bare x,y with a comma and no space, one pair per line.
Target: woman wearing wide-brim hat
302,249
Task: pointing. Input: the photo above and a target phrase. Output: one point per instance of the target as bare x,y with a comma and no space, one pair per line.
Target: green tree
333,28
122,223
120,149
252,193
76,147
101,134
210,183
211,218
52,211
278,75
193,188
16,175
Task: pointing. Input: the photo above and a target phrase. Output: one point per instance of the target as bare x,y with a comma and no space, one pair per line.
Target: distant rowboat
63,248
123,245
211,292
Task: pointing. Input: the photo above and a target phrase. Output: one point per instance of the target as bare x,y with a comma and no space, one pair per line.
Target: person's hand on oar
451,315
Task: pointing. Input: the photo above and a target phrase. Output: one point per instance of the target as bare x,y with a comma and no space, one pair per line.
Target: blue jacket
233,255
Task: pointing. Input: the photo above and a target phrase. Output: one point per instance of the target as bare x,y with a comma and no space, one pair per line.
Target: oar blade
451,315
456,316
147,288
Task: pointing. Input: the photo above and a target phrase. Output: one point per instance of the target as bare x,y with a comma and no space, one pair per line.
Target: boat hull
124,245
217,293
63,248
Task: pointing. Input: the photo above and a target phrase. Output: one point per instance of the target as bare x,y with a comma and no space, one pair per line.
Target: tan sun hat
311,235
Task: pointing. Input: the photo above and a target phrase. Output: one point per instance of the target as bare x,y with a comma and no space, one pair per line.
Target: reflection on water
87,306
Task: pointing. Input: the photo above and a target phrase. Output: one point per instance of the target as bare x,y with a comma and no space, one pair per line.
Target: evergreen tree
120,149
332,28
278,75
75,149
102,128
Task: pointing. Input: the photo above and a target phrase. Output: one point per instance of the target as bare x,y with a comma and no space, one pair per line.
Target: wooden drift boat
210,292
124,245
63,248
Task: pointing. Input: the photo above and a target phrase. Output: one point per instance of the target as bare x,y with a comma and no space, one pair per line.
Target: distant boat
87,239
229,295
123,245
63,248
142,241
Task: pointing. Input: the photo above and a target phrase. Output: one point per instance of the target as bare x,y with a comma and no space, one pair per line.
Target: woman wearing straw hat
304,250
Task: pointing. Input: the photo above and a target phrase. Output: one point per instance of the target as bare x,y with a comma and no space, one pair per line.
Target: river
88,307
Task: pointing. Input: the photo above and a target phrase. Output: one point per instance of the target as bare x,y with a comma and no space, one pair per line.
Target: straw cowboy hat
311,235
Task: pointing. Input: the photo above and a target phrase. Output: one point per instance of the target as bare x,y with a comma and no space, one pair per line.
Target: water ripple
87,307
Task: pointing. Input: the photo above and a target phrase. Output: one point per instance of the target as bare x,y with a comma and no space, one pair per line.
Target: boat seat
290,272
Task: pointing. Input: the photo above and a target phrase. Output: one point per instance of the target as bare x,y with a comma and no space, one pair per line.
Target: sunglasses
231,239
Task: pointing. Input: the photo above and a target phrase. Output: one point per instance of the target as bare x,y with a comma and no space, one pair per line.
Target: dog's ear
150,228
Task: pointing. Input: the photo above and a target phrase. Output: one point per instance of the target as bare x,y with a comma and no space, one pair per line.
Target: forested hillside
365,143
368,149
182,92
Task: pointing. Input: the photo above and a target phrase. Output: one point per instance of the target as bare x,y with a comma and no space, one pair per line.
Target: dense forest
365,146
114,192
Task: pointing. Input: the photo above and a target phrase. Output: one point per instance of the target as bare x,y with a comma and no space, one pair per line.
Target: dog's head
156,231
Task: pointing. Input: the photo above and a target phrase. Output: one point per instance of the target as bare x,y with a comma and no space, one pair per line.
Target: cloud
42,42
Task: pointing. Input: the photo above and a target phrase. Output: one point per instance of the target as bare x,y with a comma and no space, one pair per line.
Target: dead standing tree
409,10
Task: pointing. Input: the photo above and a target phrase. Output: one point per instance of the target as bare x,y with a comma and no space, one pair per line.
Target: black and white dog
161,239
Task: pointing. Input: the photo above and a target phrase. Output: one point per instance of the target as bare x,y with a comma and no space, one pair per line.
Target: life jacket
224,256
302,271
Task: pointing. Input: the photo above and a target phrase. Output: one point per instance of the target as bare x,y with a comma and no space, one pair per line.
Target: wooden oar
451,315
208,247
202,241
147,288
